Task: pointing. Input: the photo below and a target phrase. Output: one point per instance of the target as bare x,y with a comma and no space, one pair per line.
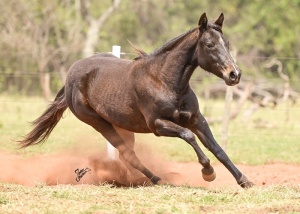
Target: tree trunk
95,26
45,85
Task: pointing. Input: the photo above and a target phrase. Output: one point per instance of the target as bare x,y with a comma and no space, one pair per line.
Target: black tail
47,121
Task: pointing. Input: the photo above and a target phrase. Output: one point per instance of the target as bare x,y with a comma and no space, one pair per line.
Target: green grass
247,143
156,199
276,141
15,123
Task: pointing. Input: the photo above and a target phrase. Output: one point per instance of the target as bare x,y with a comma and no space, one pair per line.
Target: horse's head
213,51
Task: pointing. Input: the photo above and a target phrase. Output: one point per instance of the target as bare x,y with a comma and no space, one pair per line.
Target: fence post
226,115
111,151
116,51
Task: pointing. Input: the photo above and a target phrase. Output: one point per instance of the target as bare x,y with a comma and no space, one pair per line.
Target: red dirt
59,169
276,173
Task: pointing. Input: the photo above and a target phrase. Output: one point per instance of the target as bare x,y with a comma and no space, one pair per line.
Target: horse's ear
202,24
220,20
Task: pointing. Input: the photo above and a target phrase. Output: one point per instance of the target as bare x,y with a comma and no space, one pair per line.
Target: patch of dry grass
279,144
154,199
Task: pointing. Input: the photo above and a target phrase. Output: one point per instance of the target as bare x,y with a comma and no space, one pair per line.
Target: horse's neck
177,65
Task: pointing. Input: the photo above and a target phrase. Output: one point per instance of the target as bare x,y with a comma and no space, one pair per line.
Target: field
41,179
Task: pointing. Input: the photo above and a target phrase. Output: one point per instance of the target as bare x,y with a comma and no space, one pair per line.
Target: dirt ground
60,169
276,173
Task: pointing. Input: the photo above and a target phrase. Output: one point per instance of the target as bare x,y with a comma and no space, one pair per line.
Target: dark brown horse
150,94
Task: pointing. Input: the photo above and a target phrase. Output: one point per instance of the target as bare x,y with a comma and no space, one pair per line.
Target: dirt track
260,175
59,169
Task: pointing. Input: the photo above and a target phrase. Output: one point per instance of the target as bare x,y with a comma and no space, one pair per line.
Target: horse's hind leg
127,154
86,114
128,138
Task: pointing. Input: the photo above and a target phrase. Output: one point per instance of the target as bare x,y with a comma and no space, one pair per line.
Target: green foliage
36,30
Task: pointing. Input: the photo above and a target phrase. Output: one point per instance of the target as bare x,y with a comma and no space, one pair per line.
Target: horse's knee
221,155
188,136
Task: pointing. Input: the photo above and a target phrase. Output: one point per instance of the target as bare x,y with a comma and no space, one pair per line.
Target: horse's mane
139,51
168,45
173,42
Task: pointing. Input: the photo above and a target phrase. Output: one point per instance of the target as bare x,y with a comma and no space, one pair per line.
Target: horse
149,94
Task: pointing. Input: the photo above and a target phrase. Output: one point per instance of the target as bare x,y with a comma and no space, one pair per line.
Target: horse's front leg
202,130
170,129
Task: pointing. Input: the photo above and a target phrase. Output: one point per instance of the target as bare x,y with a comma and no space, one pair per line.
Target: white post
111,151
226,115
116,51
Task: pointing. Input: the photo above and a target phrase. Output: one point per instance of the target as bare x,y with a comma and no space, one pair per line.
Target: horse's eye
210,45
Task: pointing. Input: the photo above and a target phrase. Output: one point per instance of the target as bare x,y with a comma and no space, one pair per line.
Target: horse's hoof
143,181
208,175
163,183
245,183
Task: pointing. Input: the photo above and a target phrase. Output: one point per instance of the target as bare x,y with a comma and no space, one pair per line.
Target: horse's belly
120,110
136,125
128,120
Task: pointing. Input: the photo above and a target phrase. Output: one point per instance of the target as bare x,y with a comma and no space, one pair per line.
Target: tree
46,37
94,24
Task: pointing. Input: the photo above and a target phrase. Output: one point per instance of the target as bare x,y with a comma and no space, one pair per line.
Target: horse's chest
180,111
170,107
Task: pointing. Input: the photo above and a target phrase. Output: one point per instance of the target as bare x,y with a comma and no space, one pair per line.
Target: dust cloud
63,168
60,169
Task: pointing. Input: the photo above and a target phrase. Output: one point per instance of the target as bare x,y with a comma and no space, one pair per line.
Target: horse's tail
44,125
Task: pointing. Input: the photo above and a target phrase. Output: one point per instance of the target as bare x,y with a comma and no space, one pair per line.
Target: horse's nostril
233,75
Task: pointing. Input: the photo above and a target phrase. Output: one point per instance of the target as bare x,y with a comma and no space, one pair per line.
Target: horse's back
104,83
98,73
101,63
97,69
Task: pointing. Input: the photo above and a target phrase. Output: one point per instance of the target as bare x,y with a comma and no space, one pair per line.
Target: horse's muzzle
233,77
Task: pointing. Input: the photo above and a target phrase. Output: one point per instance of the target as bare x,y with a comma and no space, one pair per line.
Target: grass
267,137
19,111
156,199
